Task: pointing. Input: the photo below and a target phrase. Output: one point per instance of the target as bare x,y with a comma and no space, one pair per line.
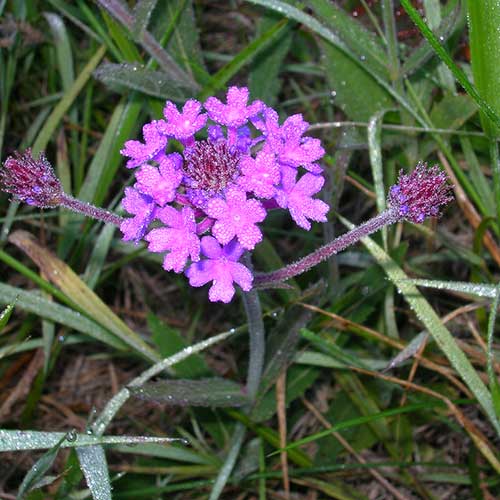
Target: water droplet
362,58
61,338
72,436
441,39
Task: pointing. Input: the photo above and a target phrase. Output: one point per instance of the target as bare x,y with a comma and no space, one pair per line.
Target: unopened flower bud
31,181
421,193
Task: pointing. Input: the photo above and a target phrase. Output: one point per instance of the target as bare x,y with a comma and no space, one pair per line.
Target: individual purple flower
287,142
221,268
32,181
161,182
421,193
154,145
179,238
143,208
260,175
236,112
298,197
237,216
182,126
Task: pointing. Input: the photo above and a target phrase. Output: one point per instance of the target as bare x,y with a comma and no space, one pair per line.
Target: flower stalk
323,253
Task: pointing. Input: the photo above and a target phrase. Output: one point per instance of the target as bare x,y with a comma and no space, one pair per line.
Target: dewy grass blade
432,322
481,290
95,469
375,151
16,440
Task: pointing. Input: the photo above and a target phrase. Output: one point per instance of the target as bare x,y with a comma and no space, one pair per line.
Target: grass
381,373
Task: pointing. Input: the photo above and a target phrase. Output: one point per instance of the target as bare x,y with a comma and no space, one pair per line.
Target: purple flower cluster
202,205
420,194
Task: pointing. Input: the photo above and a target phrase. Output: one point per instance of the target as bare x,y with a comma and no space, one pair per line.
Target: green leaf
264,82
133,76
362,44
211,392
39,469
175,25
357,93
142,13
116,402
452,111
484,19
443,54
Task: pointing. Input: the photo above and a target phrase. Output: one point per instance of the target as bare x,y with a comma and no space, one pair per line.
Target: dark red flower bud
421,193
32,181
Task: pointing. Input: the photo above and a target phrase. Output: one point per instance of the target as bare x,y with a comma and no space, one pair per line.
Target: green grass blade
65,103
73,287
243,57
443,54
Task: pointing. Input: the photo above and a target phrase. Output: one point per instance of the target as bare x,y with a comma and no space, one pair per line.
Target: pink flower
237,216
298,197
153,147
161,183
236,112
143,208
179,238
221,268
260,176
182,126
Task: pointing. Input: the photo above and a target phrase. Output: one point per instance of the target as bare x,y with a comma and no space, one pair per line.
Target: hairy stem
389,216
90,210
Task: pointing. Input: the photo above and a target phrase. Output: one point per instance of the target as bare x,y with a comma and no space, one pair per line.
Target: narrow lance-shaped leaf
147,81
39,469
211,392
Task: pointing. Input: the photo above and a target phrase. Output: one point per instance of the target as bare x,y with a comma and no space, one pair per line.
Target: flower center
211,166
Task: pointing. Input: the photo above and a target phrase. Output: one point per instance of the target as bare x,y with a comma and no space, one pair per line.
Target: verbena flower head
31,181
421,193
207,176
